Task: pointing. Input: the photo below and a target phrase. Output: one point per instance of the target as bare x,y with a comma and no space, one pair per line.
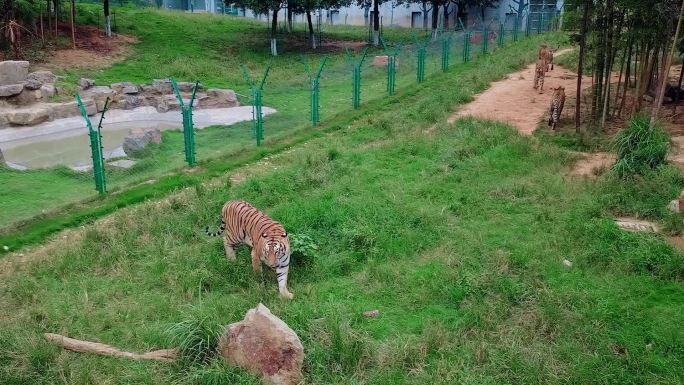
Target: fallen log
166,355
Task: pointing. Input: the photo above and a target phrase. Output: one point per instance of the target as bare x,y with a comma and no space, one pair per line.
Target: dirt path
514,101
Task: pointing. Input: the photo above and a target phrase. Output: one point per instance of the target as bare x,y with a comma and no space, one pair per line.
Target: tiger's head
275,248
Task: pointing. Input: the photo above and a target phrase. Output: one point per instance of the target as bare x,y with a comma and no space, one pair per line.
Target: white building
413,15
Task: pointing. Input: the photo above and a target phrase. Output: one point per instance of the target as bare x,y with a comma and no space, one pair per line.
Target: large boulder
11,90
264,345
138,138
217,97
45,77
32,84
28,116
65,110
99,94
13,72
28,96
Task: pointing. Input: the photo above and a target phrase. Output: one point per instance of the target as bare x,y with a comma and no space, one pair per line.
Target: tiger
242,223
539,74
557,102
546,54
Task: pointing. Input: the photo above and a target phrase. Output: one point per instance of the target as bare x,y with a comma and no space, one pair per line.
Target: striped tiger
242,223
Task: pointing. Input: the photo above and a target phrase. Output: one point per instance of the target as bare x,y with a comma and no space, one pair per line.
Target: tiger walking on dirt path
540,74
556,108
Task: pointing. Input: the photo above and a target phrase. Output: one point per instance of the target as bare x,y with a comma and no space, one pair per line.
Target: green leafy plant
639,147
304,249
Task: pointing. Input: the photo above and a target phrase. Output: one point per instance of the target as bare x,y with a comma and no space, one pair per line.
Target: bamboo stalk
666,69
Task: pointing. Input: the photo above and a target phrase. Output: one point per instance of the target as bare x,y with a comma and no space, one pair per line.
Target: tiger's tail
222,228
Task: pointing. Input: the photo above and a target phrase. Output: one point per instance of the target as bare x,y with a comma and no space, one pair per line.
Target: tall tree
108,26
666,69
580,63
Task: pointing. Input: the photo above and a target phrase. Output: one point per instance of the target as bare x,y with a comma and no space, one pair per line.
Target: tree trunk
165,355
666,70
376,22
108,25
274,29
312,38
73,17
617,111
425,15
583,42
445,22
435,19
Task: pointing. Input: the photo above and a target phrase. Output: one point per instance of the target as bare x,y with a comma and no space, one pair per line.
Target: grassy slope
212,49
456,233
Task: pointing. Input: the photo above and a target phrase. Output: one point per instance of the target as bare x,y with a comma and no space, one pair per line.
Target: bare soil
593,164
93,49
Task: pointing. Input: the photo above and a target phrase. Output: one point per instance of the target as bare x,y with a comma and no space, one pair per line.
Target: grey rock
264,345
13,72
65,110
162,85
219,98
82,168
99,94
45,77
16,166
125,88
27,97
85,83
138,138
122,163
187,86
29,116
32,84
10,90
2,157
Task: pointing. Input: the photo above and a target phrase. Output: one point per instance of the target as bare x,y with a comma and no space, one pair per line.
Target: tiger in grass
242,223
539,74
546,54
557,102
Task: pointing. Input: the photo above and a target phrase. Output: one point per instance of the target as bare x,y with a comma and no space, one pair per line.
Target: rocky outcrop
85,83
137,139
28,116
44,77
13,72
11,90
264,345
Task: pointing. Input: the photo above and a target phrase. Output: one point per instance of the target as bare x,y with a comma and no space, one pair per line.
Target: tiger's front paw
286,294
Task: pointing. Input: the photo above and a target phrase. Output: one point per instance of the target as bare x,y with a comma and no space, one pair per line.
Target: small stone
32,84
674,206
567,263
85,83
125,88
12,89
264,345
5,247
371,313
138,139
122,163
162,85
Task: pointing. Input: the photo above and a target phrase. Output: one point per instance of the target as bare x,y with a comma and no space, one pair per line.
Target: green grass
211,48
456,233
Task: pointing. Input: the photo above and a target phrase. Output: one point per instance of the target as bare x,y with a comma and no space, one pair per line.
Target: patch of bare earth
93,50
593,164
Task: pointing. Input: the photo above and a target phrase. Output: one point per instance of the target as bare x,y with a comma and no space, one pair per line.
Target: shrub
639,147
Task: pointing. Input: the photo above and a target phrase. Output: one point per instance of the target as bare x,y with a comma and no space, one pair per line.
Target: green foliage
640,147
303,248
195,338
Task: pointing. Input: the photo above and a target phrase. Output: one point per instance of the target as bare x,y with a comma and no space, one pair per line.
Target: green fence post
391,65
314,81
356,76
501,35
515,28
256,92
188,125
96,147
540,19
446,46
528,25
466,41
421,53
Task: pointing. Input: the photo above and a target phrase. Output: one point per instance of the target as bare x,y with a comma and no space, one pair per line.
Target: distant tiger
546,54
557,102
270,244
539,74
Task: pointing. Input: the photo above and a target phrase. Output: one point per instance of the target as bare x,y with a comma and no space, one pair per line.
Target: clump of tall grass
640,147
195,338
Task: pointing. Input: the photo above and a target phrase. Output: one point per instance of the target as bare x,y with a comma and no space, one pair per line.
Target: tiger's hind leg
230,249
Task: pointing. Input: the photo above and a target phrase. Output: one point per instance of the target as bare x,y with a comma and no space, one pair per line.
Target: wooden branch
166,355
